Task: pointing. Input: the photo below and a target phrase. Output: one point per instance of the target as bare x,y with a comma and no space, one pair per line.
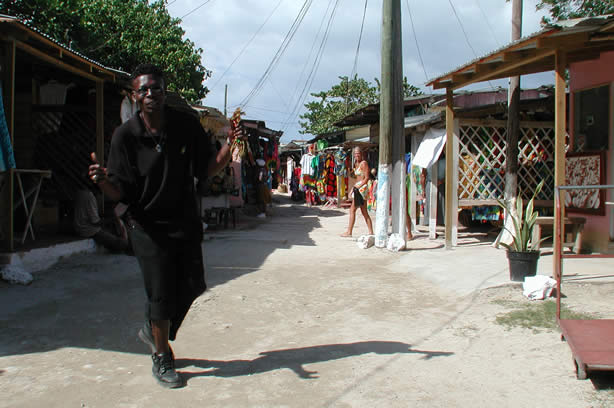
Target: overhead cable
309,55
462,29
193,10
315,66
466,36
413,28
284,45
362,26
247,44
488,23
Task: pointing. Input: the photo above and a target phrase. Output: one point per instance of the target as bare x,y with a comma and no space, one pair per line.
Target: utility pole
225,100
391,122
513,133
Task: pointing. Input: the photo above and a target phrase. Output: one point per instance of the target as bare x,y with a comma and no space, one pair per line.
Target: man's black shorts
173,272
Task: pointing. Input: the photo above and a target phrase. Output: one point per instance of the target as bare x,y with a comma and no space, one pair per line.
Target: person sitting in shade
88,224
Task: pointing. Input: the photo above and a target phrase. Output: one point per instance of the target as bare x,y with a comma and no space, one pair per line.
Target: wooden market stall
56,113
556,48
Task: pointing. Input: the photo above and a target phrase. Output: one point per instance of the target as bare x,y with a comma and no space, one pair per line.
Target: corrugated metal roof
498,50
414,121
28,27
561,28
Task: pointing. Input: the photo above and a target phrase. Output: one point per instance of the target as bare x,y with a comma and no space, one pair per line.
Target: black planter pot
522,264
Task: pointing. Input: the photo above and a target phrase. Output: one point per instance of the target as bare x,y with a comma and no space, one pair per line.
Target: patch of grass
504,302
538,315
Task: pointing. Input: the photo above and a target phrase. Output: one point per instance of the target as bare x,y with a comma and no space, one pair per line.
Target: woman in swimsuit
359,192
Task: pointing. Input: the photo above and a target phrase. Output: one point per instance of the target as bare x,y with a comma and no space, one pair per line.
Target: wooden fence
482,149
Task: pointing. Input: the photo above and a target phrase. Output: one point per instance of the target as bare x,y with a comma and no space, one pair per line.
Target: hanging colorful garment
331,178
320,187
7,158
340,167
486,213
307,182
372,196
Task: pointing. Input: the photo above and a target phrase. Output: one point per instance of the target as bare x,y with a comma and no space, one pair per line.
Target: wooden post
9,109
100,131
412,185
454,181
225,100
391,103
560,121
512,135
449,165
433,201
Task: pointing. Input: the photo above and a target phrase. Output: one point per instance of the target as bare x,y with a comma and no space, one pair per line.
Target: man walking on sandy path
153,160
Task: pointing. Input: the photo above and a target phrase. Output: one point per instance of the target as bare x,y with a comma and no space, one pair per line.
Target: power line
265,109
284,45
488,23
247,44
413,28
466,36
362,26
315,66
462,29
277,91
190,12
313,46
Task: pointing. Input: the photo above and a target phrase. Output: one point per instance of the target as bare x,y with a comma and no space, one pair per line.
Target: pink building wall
584,75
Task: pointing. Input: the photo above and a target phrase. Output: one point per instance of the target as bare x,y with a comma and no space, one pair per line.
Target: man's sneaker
164,370
146,337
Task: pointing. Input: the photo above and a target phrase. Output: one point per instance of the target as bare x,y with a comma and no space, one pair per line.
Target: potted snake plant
521,255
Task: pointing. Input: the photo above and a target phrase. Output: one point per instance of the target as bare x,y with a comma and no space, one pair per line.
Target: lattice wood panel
482,160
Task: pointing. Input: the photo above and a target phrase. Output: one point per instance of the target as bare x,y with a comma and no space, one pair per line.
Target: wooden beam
487,67
503,69
449,165
607,27
559,143
442,84
33,51
465,76
24,34
513,56
562,41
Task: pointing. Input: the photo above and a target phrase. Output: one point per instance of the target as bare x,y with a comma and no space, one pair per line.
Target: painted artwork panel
585,169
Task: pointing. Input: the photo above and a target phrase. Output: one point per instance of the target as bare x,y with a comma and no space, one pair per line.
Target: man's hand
234,134
97,173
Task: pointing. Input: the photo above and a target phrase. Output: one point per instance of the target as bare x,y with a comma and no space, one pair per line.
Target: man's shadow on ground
294,359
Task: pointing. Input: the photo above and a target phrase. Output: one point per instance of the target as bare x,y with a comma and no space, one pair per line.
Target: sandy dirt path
295,317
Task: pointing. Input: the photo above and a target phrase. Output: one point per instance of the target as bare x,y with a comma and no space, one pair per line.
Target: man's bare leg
160,330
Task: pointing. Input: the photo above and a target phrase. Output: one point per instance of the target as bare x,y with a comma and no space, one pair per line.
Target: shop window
591,122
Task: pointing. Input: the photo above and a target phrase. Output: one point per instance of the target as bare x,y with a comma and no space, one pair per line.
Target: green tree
566,9
120,34
342,99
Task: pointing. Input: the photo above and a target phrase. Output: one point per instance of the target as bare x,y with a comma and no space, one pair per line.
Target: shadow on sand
295,359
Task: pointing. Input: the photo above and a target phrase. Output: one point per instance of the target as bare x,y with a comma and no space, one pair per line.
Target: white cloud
222,28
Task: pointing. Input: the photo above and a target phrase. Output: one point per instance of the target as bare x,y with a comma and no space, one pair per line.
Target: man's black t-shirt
158,187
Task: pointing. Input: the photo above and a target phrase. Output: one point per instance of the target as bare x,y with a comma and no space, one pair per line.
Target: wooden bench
576,224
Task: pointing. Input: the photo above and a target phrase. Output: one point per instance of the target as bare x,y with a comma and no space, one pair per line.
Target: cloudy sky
242,40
